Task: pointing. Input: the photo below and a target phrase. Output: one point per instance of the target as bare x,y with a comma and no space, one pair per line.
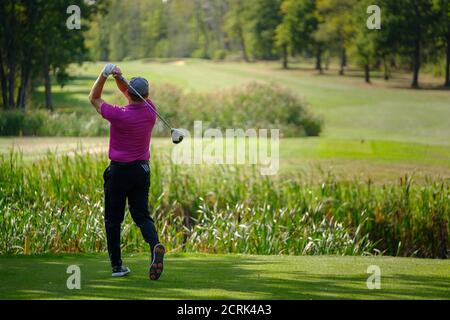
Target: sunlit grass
194,276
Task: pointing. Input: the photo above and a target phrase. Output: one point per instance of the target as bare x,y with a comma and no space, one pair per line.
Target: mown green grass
201,276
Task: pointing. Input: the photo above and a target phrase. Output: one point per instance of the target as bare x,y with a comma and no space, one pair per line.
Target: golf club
177,135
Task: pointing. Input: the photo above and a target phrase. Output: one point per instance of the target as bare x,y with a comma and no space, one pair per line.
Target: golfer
128,175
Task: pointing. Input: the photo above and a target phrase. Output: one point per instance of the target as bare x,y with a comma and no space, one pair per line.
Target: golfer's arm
122,87
95,97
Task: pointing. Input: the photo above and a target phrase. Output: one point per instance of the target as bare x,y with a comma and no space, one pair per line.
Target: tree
336,27
283,41
443,7
265,17
155,30
215,13
60,46
363,45
35,43
235,25
298,25
118,21
409,28
10,25
97,41
18,49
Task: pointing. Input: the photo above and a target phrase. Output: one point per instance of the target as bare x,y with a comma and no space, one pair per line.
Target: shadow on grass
203,277
72,100
92,78
422,87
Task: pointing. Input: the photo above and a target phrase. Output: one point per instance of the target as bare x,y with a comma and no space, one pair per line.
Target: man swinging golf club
128,175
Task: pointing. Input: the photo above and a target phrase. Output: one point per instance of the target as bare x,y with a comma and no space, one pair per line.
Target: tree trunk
285,57
343,61
447,65
367,73
393,64
21,95
10,28
319,59
203,30
11,85
48,91
3,84
19,92
244,50
206,42
416,65
243,46
386,69
48,83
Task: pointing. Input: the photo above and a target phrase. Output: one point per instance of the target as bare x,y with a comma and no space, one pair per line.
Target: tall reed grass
55,205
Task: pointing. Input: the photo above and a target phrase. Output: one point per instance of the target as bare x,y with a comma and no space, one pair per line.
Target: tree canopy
36,45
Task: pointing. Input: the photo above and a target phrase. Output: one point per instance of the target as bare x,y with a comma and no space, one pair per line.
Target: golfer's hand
117,72
108,70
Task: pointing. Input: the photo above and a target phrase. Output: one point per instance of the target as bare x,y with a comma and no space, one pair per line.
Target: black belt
126,164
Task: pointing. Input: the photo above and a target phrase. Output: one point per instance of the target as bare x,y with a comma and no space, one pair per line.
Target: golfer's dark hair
134,97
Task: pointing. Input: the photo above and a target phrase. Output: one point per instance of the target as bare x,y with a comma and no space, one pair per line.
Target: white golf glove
108,69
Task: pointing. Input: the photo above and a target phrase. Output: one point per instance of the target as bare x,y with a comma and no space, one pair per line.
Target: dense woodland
36,47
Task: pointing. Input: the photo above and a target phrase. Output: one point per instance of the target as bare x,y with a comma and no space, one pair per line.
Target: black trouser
124,181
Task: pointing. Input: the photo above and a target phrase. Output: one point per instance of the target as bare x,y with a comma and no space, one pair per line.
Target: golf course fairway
203,276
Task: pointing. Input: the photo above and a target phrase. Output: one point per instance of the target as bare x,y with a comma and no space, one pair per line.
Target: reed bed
55,205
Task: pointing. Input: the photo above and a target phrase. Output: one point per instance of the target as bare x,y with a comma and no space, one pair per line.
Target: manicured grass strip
200,276
383,161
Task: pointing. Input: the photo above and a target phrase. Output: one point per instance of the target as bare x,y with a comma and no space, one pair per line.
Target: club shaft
146,102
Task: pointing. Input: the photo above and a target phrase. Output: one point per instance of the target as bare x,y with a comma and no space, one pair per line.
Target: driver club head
177,136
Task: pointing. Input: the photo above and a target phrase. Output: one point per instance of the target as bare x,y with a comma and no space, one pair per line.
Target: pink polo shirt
130,131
